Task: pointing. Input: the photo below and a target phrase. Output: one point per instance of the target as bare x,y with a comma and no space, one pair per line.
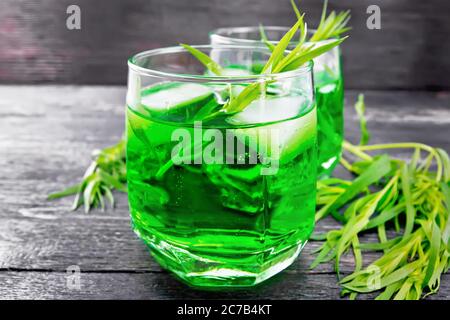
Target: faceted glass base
204,269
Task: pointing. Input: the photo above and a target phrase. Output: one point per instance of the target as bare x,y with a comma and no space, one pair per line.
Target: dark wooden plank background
409,52
46,136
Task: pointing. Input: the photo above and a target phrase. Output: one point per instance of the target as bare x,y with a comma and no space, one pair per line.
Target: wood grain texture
52,285
46,136
158,286
409,52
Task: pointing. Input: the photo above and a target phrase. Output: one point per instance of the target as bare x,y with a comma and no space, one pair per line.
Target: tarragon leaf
315,50
264,39
209,63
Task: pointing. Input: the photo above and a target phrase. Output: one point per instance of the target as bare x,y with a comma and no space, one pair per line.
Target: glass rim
304,69
218,32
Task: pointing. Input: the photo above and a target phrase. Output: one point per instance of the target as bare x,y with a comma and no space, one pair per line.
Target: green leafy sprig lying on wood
410,198
106,172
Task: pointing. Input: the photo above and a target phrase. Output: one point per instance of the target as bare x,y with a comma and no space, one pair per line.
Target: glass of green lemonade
223,199
328,83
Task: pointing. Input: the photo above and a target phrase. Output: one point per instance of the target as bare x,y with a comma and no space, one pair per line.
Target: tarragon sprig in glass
331,26
279,61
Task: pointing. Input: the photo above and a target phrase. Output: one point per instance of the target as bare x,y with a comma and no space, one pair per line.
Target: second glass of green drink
221,198
328,83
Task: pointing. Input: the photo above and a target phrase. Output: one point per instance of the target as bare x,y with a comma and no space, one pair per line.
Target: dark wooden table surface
46,136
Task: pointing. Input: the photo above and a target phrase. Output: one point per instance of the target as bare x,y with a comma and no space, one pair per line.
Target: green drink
328,84
330,117
227,201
